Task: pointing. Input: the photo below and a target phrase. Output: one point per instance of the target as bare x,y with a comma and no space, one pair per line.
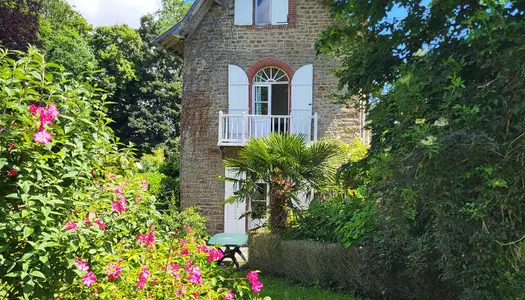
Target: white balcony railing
237,129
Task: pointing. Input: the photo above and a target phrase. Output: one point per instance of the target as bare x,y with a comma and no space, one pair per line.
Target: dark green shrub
341,219
446,168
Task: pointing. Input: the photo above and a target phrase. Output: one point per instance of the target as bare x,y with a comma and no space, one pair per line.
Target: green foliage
288,165
143,80
171,13
74,197
176,221
116,48
154,180
64,34
152,162
341,219
446,165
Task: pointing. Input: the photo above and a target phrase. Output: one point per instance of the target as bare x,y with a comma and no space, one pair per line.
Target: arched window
270,92
271,75
271,88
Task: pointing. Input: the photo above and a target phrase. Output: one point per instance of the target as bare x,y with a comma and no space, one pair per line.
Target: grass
281,289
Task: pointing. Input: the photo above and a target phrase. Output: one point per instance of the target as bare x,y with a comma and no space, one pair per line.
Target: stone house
250,68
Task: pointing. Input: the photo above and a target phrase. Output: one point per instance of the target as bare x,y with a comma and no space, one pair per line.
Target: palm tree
288,165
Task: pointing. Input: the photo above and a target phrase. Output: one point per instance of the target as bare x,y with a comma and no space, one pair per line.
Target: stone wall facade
208,51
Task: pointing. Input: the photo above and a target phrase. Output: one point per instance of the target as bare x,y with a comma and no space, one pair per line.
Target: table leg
230,253
240,253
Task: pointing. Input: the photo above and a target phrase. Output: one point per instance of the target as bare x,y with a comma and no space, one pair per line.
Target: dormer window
267,12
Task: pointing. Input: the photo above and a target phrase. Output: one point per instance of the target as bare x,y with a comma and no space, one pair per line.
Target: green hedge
334,266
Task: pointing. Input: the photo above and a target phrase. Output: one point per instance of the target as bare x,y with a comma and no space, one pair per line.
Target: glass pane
261,93
271,75
261,108
263,12
258,203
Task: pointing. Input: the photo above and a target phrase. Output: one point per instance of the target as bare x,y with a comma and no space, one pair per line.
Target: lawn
281,289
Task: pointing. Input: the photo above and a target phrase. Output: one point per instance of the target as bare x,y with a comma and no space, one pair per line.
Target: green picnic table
232,242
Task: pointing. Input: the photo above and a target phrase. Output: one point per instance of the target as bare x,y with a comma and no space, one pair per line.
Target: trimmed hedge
334,266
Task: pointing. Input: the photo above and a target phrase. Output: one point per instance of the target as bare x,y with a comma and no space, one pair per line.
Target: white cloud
111,12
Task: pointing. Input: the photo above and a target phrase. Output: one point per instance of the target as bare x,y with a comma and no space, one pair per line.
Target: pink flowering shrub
75,222
176,266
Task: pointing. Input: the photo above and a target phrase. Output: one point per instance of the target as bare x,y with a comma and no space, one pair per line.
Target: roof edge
182,29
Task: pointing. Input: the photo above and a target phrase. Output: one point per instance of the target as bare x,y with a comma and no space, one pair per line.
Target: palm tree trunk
278,214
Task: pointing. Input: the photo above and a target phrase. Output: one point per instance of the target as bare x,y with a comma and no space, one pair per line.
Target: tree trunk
278,213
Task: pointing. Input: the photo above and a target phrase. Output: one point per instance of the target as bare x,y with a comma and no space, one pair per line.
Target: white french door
261,108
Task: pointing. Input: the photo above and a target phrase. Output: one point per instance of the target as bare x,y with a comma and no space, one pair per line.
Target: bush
69,199
341,219
151,163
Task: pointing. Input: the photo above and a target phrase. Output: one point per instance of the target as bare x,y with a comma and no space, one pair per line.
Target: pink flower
90,217
188,228
230,295
113,271
12,173
148,238
33,109
10,147
255,283
195,275
101,224
202,248
185,252
141,285
173,267
252,276
82,265
143,278
117,206
196,295
182,242
257,286
43,137
48,114
53,111
70,226
118,189
181,291
214,254
89,279
144,186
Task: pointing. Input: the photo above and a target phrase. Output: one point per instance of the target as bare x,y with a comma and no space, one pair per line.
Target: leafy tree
171,12
116,49
287,165
65,37
155,114
446,167
144,81
19,23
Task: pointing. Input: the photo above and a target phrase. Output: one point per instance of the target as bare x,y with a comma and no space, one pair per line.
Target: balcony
237,129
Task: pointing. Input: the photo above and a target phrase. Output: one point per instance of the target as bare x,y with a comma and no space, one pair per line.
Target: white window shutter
279,12
237,90
237,104
233,211
244,12
302,99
